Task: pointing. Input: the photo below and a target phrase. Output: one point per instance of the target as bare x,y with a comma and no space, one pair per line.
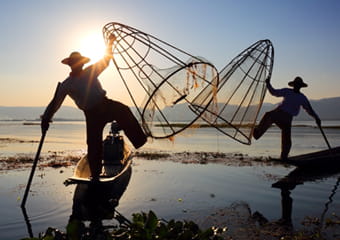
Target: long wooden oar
39,149
28,186
324,136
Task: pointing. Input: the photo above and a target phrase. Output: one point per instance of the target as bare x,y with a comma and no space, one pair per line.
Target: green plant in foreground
144,226
148,227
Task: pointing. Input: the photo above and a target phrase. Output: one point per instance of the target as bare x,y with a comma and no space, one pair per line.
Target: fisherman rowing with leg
282,116
83,86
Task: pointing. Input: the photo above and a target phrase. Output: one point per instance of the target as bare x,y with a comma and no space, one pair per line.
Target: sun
92,45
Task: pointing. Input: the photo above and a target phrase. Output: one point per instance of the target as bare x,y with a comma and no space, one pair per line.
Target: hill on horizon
326,108
34,113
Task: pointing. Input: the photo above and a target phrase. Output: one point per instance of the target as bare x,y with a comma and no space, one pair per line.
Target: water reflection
92,204
96,202
190,182
300,176
27,221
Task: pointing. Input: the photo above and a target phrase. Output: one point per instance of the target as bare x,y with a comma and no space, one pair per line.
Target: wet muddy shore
64,158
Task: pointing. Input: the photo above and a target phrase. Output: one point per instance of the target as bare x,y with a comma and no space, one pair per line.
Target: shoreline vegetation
65,159
58,159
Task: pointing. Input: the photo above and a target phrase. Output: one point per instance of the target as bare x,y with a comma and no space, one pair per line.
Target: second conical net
240,92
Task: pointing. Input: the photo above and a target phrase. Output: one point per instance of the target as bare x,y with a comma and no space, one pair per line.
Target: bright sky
37,34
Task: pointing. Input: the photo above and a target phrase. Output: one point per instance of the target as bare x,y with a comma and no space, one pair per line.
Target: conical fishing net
181,90
169,78
240,93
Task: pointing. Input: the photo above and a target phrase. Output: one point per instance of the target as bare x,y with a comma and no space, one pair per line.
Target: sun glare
92,46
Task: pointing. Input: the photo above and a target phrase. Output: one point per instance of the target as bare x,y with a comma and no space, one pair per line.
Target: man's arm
273,91
308,107
52,107
100,66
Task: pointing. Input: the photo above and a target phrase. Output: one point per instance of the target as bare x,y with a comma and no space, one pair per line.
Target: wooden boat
325,159
110,172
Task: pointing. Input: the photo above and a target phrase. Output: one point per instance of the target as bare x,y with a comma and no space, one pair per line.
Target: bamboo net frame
182,90
169,77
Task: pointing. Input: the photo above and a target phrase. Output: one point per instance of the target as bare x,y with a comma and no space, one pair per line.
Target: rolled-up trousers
96,119
284,121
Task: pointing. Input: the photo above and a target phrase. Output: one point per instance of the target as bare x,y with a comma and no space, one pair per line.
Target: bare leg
286,142
263,126
96,119
127,121
94,130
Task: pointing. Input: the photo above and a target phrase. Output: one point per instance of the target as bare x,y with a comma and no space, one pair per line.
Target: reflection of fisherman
282,116
286,201
83,86
95,203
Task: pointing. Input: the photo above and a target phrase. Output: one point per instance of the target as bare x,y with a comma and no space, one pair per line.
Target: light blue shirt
292,101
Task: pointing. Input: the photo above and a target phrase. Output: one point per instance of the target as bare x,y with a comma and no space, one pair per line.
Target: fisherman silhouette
83,86
283,115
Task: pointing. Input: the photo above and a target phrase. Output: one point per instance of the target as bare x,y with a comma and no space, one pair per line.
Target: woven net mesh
169,78
240,92
181,90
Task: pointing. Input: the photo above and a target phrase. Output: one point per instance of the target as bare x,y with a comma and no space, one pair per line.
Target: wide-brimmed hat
75,57
297,82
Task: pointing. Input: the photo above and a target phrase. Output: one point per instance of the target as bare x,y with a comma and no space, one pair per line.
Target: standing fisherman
83,86
283,115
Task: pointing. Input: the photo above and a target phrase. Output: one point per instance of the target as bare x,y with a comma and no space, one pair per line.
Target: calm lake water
172,190
70,136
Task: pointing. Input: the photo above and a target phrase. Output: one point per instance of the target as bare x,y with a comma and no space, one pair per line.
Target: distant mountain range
33,113
327,109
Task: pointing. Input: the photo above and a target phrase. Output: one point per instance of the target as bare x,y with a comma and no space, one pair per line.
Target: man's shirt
292,101
85,89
